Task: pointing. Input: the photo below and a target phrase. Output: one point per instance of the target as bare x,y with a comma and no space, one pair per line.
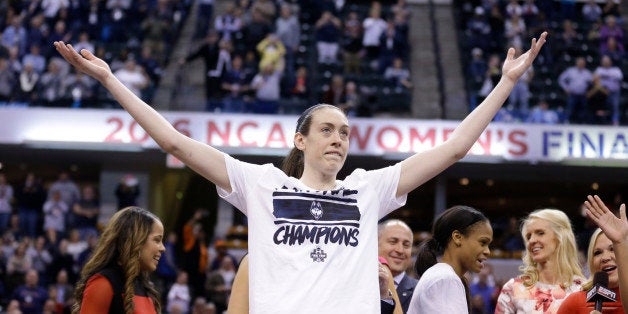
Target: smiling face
395,245
541,240
153,248
474,247
604,259
326,145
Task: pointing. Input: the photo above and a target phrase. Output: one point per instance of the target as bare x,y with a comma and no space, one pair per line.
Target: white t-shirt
373,29
312,251
439,290
179,295
133,80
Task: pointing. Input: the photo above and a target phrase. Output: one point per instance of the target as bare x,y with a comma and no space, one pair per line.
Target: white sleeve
446,295
385,182
242,175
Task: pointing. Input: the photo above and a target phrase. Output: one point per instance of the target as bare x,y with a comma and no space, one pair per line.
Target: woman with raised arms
312,237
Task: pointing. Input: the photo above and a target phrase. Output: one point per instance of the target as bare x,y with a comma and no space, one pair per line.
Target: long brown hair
119,246
293,163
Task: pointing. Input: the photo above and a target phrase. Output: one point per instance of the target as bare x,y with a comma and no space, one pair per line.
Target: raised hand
514,68
85,62
614,228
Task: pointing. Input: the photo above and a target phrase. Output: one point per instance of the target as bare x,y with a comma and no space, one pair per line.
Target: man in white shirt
575,81
133,77
611,77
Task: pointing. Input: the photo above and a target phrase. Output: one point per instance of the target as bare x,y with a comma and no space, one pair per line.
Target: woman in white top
550,266
462,235
312,238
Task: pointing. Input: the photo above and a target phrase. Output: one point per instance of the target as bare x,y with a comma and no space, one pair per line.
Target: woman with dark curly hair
116,277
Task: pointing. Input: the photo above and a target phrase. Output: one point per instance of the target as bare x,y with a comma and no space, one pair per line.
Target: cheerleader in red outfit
115,279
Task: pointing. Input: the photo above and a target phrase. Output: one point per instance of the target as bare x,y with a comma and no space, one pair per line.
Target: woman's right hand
85,62
616,229
514,68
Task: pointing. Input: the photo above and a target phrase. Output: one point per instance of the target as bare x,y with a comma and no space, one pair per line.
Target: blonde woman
600,258
115,279
616,229
550,270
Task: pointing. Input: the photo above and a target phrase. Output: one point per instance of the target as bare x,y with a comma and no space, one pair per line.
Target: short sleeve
437,298
241,176
97,295
440,290
386,181
395,202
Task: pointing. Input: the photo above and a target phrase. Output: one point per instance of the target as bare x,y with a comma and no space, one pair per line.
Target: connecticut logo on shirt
316,217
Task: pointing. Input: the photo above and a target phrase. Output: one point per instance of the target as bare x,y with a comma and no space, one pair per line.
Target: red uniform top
576,303
98,297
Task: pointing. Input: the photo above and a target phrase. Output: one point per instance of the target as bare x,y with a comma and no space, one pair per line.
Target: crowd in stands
280,57
260,56
133,36
265,56
577,79
50,228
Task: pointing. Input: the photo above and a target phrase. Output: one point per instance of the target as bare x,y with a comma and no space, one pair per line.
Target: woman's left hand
616,229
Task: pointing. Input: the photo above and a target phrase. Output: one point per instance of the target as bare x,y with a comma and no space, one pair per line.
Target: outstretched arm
423,166
202,158
239,299
616,229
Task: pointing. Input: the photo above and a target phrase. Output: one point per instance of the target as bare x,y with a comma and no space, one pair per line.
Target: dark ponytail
459,218
292,164
427,255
